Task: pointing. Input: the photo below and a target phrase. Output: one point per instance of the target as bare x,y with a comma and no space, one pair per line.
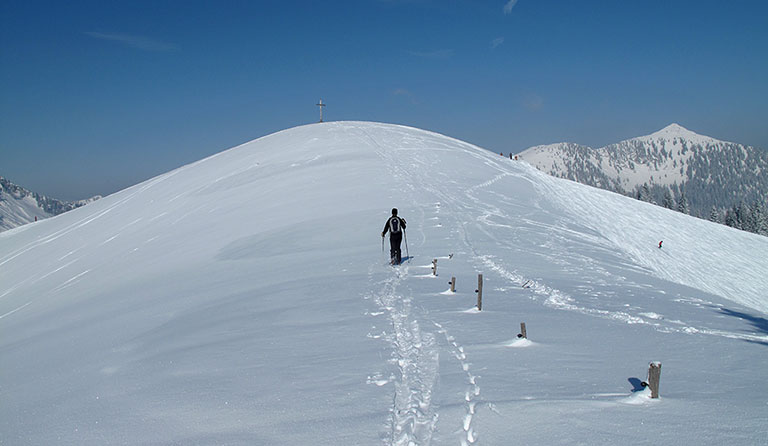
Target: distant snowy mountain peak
673,164
675,127
673,130
676,133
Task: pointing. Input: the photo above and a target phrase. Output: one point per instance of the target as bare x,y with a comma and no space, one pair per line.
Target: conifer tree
730,218
645,194
714,215
668,202
740,214
682,203
761,219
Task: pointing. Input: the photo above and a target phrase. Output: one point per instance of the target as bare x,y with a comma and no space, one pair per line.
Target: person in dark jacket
395,226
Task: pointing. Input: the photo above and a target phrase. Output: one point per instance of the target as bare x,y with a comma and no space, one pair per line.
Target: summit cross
321,105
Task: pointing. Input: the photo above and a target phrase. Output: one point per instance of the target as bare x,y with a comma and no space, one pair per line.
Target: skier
395,225
660,243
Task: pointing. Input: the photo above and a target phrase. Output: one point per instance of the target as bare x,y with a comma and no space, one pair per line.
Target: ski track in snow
416,351
473,389
415,357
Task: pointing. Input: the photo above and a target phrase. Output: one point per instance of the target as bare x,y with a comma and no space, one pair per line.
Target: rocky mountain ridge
19,206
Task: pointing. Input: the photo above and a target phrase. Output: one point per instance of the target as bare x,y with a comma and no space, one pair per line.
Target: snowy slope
17,211
19,206
245,299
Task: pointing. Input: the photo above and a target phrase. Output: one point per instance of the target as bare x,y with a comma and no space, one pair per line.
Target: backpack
394,224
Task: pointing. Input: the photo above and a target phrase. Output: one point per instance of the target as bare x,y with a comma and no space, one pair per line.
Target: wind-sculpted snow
692,252
246,299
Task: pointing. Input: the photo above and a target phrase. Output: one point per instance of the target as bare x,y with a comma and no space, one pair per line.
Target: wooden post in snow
654,376
479,292
523,332
434,267
453,284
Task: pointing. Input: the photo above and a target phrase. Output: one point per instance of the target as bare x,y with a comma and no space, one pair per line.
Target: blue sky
97,96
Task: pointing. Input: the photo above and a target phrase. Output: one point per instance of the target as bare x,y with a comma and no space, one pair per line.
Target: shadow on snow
759,323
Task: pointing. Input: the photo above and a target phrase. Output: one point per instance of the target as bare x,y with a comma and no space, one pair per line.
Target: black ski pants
394,246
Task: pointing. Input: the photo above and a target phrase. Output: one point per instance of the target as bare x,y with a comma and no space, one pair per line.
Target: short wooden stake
523,332
479,292
453,284
654,375
434,267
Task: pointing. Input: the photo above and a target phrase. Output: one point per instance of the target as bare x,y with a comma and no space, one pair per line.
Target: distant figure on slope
660,243
395,225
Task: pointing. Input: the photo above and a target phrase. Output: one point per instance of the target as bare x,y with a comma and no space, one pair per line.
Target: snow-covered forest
721,181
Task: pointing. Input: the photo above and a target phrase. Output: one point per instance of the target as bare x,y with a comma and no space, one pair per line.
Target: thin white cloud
496,42
138,42
438,55
508,7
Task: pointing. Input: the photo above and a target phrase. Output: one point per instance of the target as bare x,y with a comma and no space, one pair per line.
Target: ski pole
405,235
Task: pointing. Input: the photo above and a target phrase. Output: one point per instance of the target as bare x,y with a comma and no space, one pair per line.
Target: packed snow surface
246,300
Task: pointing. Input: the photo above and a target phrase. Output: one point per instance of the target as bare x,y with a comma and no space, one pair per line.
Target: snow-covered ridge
247,299
709,172
658,158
